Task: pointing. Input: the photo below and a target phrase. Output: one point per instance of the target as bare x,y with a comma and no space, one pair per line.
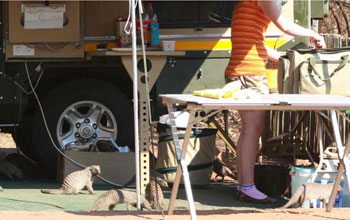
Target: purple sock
252,191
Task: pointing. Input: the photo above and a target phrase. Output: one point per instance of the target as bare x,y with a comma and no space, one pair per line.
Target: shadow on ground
27,196
176,212
222,196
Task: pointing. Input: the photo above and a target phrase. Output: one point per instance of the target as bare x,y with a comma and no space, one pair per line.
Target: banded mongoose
154,193
311,191
76,181
113,197
222,170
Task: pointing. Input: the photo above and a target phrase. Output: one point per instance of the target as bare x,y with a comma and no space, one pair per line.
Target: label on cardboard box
22,50
43,17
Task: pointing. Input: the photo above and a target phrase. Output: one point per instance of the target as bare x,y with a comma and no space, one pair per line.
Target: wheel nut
95,126
94,136
86,120
77,125
77,135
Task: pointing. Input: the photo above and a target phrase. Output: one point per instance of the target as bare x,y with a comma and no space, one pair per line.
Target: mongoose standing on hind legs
311,191
154,193
113,197
76,181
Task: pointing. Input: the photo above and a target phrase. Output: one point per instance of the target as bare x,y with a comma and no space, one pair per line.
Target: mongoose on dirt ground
10,171
113,197
222,170
76,181
154,193
311,191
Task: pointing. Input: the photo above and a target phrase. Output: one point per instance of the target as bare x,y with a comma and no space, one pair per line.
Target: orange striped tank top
248,27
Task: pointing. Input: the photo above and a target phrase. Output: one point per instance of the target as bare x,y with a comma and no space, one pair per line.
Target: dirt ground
7,146
267,214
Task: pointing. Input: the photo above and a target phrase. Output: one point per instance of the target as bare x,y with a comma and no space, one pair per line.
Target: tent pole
135,98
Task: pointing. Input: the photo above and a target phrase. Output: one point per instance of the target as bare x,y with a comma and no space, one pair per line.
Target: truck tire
78,113
23,135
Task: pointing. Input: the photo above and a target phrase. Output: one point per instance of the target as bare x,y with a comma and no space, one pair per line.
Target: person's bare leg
253,124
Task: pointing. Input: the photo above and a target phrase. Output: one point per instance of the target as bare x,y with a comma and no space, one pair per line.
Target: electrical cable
36,84
51,139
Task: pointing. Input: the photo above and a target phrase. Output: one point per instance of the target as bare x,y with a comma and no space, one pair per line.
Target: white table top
264,102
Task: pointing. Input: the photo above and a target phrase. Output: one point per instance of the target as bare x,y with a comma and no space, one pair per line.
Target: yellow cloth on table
230,90
244,94
225,92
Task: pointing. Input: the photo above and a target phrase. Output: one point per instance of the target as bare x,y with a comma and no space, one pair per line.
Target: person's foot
245,198
249,193
252,191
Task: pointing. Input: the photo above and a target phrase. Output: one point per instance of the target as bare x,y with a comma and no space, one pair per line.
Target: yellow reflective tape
216,45
273,44
203,45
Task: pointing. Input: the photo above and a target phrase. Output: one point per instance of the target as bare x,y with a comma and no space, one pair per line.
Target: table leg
335,187
321,149
343,161
182,165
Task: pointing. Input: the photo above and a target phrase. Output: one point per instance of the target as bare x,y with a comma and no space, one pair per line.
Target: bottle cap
150,4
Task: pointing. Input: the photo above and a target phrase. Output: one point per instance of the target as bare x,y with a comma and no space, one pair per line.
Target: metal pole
135,98
226,131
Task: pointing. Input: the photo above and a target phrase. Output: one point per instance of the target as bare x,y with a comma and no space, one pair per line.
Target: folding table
264,102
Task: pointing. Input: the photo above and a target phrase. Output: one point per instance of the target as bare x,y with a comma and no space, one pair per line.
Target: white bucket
302,175
181,119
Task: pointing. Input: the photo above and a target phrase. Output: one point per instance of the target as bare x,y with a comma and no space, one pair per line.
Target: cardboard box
123,39
116,167
18,34
43,50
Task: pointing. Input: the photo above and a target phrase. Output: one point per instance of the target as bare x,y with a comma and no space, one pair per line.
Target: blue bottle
155,35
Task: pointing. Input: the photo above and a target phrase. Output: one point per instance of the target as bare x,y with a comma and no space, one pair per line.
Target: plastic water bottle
146,26
154,26
151,14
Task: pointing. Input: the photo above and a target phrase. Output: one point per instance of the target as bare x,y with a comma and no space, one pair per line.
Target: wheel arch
55,75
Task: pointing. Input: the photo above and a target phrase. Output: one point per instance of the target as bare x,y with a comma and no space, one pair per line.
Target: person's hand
318,41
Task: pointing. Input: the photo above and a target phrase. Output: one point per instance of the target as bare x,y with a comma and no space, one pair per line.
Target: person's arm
271,10
273,55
